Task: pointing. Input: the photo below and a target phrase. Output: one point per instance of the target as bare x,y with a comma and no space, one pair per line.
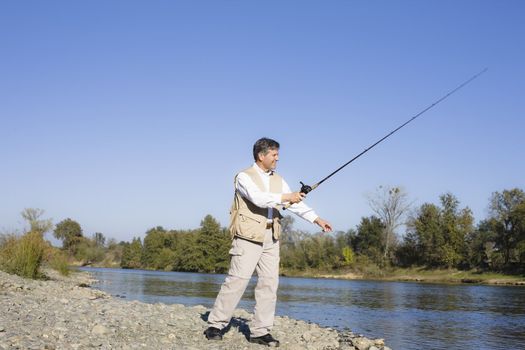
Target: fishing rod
307,189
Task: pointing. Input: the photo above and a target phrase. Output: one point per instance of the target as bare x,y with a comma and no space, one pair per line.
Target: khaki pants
247,257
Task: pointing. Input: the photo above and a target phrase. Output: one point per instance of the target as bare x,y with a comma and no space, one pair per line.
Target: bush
349,256
58,261
367,267
23,255
88,252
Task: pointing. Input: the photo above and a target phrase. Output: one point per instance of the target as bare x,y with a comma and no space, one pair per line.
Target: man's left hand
325,225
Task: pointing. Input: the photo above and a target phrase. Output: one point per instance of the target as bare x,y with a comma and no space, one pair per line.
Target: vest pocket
251,228
245,218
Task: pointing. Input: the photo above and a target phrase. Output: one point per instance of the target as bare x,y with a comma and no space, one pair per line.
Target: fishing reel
305,188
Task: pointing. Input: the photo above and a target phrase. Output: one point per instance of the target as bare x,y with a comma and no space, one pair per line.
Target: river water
407,315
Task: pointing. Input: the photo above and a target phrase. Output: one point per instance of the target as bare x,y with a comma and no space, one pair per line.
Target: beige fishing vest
249,221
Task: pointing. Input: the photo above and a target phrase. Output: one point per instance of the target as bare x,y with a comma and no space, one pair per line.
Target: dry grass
58,261
24,255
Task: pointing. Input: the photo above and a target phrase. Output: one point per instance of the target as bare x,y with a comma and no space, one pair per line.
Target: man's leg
266,289
244,258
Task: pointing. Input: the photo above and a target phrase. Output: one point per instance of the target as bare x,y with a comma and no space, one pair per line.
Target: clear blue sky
125,115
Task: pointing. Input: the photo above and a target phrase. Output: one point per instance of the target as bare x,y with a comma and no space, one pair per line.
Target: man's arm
325,225
307,213
248,189
301,209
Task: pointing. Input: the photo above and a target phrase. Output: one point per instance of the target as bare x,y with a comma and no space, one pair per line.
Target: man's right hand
294,197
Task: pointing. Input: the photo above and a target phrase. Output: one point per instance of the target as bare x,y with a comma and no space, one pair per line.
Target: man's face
269,160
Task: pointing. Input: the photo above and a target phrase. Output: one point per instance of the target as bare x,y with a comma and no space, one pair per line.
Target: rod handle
304,189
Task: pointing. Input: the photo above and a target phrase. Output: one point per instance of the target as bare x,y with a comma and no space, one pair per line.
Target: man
255,226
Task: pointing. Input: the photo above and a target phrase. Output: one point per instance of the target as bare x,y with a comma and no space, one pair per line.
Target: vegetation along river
407,315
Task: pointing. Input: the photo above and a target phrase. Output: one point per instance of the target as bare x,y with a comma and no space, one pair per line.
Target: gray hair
263,146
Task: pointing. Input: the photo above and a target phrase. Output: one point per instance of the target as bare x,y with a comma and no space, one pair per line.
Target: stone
362,343
379,342
307,336
99,330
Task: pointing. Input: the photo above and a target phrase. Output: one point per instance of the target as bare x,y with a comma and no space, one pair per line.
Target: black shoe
267,340
213,333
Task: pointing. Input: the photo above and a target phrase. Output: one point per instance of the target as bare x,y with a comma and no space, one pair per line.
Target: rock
379,342
295,347
99,330
362,343
307,336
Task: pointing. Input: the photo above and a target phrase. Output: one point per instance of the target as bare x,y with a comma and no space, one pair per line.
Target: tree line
442,235
201,250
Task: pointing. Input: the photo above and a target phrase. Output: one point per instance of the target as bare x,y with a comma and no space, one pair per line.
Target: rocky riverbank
65,313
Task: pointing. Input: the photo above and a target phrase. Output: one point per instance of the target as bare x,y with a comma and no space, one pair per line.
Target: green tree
70,232
369,239
456,225
213,244
313,251
410,251
155,240
188,257
440,233
519,214
132,255
88,252
481,245
165,259
425,230
507,220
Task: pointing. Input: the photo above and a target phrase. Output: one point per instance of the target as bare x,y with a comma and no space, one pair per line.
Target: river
407,315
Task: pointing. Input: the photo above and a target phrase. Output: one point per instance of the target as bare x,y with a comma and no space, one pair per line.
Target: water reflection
407,315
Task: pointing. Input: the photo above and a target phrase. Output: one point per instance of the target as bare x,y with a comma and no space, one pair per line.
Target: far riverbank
422,275
417,274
